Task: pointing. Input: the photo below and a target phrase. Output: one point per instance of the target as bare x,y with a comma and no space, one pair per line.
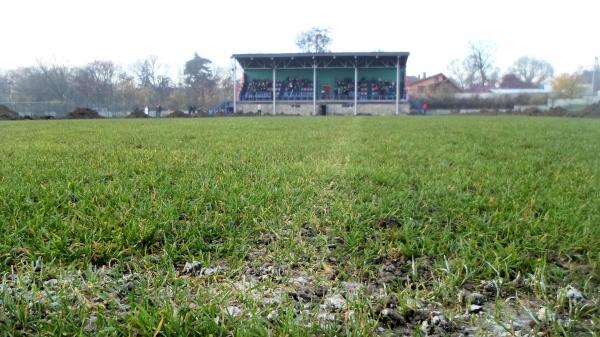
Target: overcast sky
565,33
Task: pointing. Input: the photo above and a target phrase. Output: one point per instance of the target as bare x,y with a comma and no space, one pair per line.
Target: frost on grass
314,300
193,267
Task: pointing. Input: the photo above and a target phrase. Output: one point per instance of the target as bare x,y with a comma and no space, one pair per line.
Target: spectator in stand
258,90
294,88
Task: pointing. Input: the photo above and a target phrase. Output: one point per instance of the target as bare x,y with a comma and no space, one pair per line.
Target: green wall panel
259,74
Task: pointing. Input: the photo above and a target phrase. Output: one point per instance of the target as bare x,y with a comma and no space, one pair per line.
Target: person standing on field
425,107
146,110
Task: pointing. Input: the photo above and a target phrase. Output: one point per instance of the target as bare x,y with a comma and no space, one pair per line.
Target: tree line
103,84
477,70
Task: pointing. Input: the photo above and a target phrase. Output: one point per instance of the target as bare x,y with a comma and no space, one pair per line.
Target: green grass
97,204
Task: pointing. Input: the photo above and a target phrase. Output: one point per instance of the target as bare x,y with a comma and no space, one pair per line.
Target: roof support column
274,89
355,89
398,86
314,89
234,86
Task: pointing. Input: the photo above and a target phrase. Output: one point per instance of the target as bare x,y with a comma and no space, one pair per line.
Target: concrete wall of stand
306,109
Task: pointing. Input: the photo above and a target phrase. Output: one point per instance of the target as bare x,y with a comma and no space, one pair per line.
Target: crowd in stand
293,88
344,89
382,90
373,89
297,89
289,89
257,90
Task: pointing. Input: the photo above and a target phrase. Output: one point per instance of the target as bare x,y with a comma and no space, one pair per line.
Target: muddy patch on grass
388,222
404,271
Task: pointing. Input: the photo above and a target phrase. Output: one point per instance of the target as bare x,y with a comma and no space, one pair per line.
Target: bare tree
480,63
315,40
532,71
224,78
96,83
146,71
459,73
164,88
126,92
29,84
58,79
155,86
477,70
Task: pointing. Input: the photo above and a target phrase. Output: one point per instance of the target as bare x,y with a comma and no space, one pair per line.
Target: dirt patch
8,114
83,113
309,294
404,271
312,301
137,113
406,321
389,222
178,114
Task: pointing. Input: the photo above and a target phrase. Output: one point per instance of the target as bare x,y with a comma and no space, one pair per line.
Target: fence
588,100
60,109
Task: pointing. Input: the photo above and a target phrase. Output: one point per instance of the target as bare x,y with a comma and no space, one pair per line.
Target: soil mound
83,113
178,113
137,113
6,113
557,111
532,111
592,110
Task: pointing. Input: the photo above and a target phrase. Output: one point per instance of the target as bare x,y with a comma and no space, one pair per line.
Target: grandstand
319,84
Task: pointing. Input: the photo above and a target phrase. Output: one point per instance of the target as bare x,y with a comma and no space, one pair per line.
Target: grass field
300,226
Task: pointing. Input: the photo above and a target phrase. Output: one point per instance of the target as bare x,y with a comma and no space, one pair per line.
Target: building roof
434,82
411,79
428,78
322,60
312,55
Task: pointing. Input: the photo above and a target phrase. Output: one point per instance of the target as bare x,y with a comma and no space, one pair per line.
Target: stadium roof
322,60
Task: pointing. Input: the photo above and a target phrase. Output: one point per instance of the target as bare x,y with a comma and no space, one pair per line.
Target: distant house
433,85
411,79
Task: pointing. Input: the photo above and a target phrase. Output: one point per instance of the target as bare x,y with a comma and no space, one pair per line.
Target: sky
75,32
